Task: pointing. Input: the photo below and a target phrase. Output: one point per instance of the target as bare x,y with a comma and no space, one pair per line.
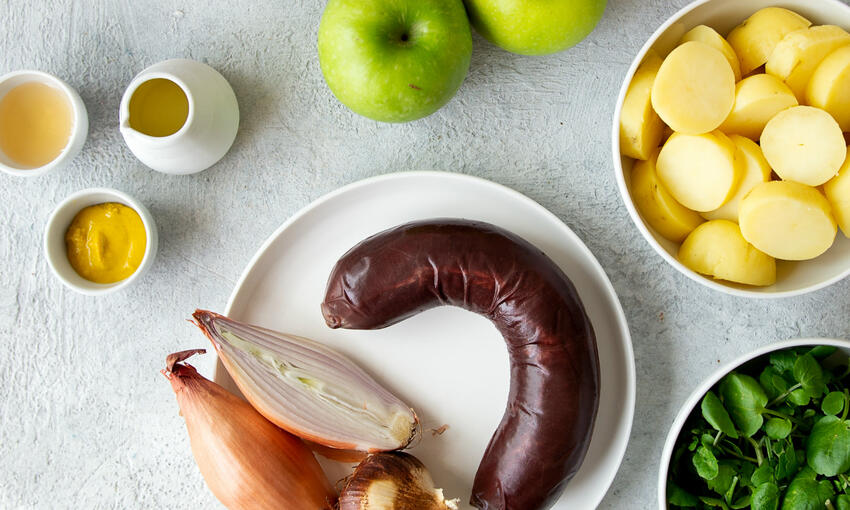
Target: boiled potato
754,39
700,171
829,88
799,53
669,218
694,90
804,144
718,249
837,191
757,100
787,220
709,36
640,126
756,170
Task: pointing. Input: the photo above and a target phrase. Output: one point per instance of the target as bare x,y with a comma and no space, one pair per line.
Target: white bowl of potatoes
730,143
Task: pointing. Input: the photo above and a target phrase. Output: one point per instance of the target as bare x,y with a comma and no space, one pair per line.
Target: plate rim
601,276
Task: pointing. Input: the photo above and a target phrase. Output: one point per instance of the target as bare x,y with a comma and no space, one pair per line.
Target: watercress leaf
799,397
787,464
742,502
714,502
705,463
828,448
680,497
822,351
772,382
745,401
723,481
808,413
707,440
842,502
777,428
765,497
802,492
694,443
717,416
762,474
825,491
807,372
833,403
783,361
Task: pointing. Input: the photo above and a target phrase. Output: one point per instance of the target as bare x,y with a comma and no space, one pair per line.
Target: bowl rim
96,289
625,194
706,384
79,129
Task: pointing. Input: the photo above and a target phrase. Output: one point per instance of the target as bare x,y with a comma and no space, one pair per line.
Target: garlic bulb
392,481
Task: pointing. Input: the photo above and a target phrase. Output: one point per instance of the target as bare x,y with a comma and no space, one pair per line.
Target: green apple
394,60
535,27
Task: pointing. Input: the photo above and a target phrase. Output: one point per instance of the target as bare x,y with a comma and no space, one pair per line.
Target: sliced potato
700,171
804,144
718,249
640,126
758,99
756,170
694,90
837,191
800,52
787,220
669,218
709,36
829,88
754,39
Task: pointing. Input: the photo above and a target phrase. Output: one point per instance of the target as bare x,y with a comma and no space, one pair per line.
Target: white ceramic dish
449,364
723,15
695,398
60,220
79,129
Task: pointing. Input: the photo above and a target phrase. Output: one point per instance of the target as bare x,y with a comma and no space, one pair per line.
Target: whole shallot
247,461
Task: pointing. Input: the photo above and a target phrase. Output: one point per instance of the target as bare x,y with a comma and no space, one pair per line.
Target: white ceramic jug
209,108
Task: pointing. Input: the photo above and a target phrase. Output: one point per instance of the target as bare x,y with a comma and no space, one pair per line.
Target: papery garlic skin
309,389
247,462
392,481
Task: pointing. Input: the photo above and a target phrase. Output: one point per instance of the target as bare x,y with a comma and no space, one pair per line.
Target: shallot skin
554,387
247,462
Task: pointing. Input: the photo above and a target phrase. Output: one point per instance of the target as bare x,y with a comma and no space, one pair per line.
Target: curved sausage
554,387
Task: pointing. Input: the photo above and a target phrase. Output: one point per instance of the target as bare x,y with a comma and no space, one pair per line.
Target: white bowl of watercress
768,431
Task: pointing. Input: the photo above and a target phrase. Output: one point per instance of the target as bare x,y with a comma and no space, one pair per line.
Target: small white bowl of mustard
99,240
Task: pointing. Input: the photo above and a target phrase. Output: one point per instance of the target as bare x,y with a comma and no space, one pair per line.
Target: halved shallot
309,389
247,462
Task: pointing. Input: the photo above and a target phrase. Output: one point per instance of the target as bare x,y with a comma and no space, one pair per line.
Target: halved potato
709,36
804,144
829,88
640,126
694,90
787,220
837,191
755,39
800,52
718,249
756,170
758,99
669,218
700,171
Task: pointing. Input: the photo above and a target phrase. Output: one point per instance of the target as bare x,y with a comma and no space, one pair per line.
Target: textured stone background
86,421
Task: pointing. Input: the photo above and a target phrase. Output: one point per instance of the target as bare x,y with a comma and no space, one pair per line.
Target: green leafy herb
773,435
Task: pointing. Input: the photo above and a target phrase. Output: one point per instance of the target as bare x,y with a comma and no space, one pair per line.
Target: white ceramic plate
449,364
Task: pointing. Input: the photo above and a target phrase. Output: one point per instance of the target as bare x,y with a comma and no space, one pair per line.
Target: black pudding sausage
554,385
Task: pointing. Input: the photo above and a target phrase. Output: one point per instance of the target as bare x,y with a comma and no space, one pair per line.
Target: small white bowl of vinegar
43,123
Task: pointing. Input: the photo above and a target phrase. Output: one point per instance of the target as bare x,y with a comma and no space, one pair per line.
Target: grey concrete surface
86,421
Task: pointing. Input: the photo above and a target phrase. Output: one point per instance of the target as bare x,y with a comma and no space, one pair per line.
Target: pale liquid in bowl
35,124
158,107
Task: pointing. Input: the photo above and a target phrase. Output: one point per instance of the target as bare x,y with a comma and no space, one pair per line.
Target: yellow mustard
106,242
